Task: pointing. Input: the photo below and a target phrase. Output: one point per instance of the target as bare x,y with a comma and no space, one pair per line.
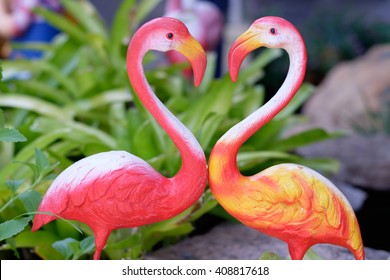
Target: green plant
310,255
334,36
79,102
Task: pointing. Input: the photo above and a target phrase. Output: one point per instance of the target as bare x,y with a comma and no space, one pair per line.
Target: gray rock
351,91
237,242
365,160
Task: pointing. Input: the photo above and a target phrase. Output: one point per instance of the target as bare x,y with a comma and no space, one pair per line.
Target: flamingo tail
41,220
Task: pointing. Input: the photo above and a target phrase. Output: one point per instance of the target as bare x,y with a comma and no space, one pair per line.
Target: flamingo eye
272,31
169,36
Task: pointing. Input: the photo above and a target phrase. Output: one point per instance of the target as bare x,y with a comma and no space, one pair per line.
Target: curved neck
230,143
193,158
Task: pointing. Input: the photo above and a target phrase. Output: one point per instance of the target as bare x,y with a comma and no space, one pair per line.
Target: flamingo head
270,32
169,34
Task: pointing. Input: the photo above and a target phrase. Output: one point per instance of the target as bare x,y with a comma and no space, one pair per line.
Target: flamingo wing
100,185
289,194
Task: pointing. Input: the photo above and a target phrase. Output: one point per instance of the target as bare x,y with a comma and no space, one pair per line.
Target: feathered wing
289,198
100,185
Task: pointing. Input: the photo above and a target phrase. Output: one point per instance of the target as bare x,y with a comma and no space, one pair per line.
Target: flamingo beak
247,42
194,52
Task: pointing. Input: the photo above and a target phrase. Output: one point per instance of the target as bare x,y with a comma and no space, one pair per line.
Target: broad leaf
86,16
33,104
13,185
30,200
11,135
41,160
121,27
301,139
209,128
144,8
67,247
87,245
13,227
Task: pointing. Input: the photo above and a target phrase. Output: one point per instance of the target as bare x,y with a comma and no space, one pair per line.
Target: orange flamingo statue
288,201
116,189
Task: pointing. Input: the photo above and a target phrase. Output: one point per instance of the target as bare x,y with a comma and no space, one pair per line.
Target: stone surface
350,91
237,242
365,160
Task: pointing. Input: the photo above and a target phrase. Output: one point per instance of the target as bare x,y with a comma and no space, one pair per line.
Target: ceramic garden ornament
288,201
116,189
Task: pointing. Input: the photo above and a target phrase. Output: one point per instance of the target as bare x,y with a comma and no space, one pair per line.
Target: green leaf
87,245
26,154
208,202
30,200
246,102
67,247
70,248
144,145
40,241
152,237
33,104
121,26
13,185
144,8
311,255
99,100
268,255
217,100
247,160
54,71
254,70
209,74
76,131
12,244
43,90
41,167
301,139
62,23
29,239
11,135
31,46
41,160
2,119
303,94
86,16
13,227
209,128
33,168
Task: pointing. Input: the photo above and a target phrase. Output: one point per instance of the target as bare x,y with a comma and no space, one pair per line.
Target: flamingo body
293,203
288,201
116,189
100,184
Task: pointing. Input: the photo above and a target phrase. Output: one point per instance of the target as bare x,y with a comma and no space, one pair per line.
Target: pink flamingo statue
116,189
288,201
203,19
